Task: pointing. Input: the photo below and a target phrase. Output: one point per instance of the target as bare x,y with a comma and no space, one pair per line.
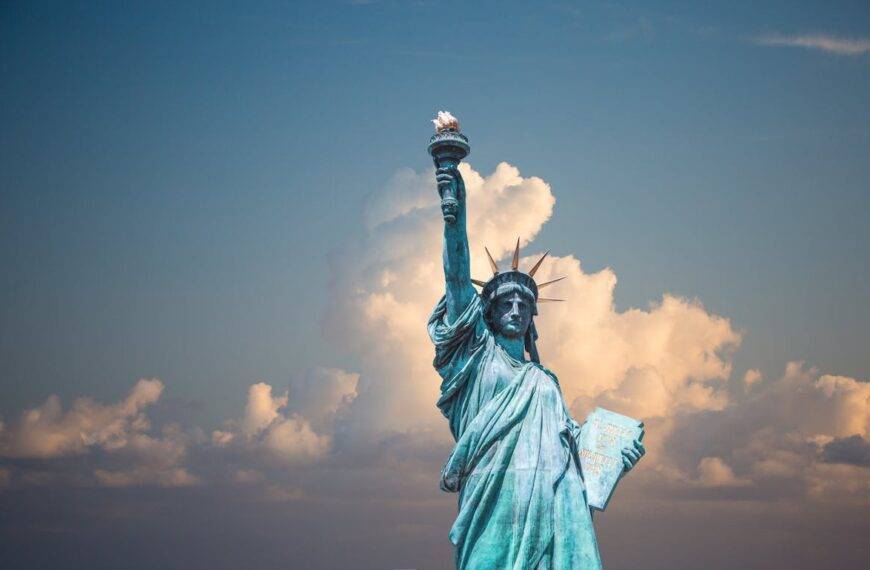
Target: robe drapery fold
522,502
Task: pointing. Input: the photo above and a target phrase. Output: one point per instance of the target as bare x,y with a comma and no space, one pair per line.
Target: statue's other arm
457,262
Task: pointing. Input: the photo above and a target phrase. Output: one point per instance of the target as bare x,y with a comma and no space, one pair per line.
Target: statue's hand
451,187
631,455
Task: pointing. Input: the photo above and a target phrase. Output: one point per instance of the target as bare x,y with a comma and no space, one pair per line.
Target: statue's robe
522,501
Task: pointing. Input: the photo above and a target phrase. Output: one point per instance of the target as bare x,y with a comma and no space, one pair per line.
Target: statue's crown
499,278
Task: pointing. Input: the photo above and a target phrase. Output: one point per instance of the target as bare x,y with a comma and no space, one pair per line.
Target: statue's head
510,301
510,309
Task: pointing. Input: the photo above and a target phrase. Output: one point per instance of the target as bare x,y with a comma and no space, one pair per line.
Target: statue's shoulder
546,371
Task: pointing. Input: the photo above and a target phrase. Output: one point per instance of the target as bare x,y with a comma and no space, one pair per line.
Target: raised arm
457,263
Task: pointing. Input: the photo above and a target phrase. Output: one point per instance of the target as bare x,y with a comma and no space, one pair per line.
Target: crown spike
515,263
491,262
479,283
542,285
546,300
538,264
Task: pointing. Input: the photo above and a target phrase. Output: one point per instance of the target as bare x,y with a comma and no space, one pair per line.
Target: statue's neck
513,346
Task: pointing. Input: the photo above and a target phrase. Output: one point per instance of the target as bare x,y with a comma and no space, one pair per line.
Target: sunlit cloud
121,431
294,427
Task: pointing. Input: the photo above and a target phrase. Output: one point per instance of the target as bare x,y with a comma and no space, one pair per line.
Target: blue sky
177,182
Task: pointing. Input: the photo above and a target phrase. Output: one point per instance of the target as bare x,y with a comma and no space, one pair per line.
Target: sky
221,242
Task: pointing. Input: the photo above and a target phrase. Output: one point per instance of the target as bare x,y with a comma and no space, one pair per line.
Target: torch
448,146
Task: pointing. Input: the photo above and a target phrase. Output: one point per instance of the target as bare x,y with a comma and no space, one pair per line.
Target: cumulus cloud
804,434
751,377
714,472
821,42
261,409
120,430
647,362
47,431
386,282
296,426
321,394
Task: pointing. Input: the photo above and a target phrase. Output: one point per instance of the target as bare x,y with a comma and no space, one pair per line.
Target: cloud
118,431
751,377
822,42
386,282
668,364
714,472
265,427
295,427
174,477
648,362
47,431
261,409
321,395
852,450
803,435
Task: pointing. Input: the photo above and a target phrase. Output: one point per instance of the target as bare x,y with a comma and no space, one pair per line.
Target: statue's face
512,314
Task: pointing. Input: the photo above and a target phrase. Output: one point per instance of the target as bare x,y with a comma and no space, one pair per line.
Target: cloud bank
333,435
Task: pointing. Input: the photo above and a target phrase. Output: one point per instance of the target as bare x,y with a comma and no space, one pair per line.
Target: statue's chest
498,373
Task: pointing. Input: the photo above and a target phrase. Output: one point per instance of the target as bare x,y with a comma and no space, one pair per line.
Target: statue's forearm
457,266
457,263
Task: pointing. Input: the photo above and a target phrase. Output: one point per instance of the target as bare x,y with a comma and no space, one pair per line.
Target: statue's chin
510,332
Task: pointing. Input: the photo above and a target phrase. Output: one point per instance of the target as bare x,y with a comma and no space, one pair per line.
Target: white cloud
646,362
119,429
751,377
48,431
293,439
321,394
261,409
220,438
386,284
779,438
714,472
822,42
296,426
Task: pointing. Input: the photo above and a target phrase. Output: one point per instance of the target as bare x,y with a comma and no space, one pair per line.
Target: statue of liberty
522,499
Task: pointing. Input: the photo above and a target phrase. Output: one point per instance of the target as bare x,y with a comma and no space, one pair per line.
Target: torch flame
445,122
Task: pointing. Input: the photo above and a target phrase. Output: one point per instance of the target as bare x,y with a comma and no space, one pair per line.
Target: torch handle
447,148
450,195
